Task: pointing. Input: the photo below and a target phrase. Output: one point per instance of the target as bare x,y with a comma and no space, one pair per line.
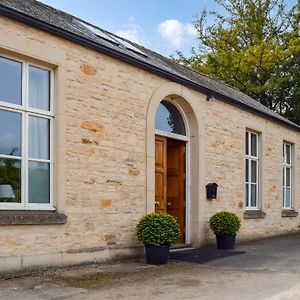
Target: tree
293,68
253,48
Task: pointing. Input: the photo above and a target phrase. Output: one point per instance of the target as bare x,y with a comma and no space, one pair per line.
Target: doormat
203,255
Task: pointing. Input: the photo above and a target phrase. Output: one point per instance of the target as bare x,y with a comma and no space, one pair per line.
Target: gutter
34,22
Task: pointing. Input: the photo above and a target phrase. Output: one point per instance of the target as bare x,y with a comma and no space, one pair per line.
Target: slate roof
57,22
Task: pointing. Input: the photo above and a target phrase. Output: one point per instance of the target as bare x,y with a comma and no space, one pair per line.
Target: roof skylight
110,38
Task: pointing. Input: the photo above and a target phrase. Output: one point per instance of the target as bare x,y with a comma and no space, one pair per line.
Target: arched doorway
192,114
171,157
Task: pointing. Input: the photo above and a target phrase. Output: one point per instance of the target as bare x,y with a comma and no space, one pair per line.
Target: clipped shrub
224,223
157,229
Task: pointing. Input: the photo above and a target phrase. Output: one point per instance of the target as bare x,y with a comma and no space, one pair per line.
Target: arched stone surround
188,105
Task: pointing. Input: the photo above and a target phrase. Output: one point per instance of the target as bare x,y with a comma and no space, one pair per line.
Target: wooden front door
170,179
176,183
160,174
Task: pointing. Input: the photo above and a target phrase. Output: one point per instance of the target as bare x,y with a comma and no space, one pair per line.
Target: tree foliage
253,47
293,68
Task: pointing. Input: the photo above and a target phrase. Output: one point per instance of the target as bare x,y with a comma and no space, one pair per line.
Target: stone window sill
31,217
289,213
254,214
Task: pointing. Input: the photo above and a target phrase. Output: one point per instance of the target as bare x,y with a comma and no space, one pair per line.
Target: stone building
95,131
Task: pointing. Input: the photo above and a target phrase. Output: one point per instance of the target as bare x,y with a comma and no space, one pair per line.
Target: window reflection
10,180
10,133
168,119
10,81
39,182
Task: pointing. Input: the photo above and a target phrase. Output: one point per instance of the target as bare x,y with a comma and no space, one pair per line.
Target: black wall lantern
211,190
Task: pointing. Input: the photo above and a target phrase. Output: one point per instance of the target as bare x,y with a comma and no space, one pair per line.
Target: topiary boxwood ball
157,229
224,223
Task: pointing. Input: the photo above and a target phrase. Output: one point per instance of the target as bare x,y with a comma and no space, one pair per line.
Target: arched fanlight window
169,119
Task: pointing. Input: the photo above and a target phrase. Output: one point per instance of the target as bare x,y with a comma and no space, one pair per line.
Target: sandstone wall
100,156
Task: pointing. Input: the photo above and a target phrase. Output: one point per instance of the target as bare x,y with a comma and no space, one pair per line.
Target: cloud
131,18
133,32
176,32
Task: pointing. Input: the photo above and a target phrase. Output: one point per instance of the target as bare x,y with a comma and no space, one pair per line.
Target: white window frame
286,166
27,111
248,160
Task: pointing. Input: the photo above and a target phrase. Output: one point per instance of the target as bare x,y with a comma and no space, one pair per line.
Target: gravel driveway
269,269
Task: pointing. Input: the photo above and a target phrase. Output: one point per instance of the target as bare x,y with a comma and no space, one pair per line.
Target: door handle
156,202
169,203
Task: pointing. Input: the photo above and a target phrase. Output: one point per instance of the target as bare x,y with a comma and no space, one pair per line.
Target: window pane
288,153
253,171
253,144
39,182
247,195
253,195
288,197
168,119
39,88
10,180
10,81
288,177
247,143
10,133
247,170
38,137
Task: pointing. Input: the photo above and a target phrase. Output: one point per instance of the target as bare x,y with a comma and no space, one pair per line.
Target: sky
161,25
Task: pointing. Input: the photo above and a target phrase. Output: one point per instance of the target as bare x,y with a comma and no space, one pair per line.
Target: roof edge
34,22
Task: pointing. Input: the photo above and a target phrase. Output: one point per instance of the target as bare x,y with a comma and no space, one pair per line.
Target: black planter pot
157,255
225,242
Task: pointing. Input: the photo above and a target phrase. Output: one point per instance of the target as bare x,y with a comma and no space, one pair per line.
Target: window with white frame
26,118
252,170
287,176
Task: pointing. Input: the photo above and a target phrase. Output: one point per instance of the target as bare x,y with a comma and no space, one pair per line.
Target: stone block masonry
101,117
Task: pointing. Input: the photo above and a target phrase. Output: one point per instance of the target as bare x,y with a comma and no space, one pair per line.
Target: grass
111,278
